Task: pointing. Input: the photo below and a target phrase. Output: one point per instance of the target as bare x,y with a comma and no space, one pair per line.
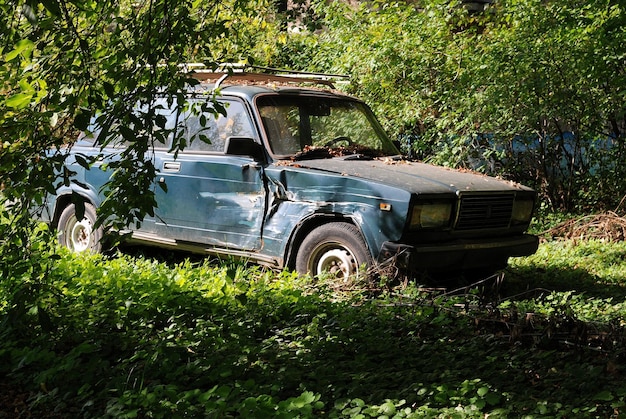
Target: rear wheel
80,235
334,249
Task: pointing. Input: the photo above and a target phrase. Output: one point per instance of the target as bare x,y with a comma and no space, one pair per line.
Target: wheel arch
67,198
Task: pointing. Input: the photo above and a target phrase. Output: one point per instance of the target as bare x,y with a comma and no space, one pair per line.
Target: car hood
419,178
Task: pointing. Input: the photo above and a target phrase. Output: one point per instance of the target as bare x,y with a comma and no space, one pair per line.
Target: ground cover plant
129,336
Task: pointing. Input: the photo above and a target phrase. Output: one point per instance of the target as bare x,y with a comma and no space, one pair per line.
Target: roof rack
259,74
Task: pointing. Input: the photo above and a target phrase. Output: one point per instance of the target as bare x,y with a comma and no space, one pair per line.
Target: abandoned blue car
304,178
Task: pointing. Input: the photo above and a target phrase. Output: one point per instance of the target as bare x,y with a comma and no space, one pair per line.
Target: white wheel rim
339,263
80,235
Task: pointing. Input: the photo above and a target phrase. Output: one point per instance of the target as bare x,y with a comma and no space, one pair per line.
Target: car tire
79,235
335,249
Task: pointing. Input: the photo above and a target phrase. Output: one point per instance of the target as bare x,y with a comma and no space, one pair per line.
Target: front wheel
80,235
335,249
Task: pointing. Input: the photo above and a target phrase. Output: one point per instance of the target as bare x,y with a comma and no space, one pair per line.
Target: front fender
299,200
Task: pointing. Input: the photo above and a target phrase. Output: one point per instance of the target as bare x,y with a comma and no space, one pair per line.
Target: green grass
134,337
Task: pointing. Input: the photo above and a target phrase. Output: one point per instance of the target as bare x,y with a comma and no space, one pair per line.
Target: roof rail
258,74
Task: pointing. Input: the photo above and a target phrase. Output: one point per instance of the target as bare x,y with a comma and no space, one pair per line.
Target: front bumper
459,255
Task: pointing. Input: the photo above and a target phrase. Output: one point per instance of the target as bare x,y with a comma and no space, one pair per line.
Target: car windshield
318,127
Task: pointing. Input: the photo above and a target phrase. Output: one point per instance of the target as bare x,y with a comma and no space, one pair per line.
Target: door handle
171,166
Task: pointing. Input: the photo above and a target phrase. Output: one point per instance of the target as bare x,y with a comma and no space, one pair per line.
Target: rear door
205,196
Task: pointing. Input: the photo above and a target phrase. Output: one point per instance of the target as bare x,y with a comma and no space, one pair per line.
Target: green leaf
82,161
23,47
482,391
19,100
109,89
388,409
81,120
52,6
25,86
605,396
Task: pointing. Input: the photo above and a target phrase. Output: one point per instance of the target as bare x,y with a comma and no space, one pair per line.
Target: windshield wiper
312,153
357,156
396,157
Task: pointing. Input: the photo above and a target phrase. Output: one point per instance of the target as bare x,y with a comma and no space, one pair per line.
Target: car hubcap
80,235
339,263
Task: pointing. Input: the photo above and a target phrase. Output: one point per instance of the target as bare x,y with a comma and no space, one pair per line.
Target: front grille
484,211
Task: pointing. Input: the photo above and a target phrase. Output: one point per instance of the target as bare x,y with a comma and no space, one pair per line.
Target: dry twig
608,226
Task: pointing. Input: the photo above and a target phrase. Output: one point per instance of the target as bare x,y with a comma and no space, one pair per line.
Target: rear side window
207,132
106,130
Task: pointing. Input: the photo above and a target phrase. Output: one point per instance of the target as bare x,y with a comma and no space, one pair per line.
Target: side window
208,132
189,125
162,135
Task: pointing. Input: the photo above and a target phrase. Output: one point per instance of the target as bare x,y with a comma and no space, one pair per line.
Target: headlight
430,215
522,211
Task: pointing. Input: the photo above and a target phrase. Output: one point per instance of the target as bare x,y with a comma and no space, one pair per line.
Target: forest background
531,91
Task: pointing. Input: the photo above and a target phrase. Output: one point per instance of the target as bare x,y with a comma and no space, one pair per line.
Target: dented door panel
214,200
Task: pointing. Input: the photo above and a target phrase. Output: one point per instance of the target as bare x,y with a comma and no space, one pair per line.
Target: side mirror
244,146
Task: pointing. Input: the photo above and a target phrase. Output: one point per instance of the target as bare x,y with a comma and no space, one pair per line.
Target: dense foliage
529,89
62,62
133,337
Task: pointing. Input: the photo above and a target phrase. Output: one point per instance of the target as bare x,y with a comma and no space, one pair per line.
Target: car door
205,196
